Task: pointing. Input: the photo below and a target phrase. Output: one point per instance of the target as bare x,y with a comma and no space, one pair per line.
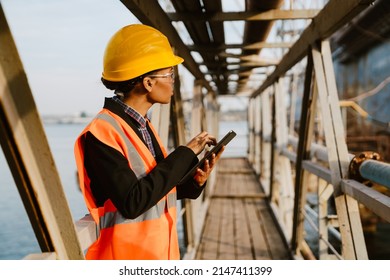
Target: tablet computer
223,142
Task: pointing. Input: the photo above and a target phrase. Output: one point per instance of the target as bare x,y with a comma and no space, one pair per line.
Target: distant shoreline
66,119
83,119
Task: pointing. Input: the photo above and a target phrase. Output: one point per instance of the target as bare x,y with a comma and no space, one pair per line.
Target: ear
148,83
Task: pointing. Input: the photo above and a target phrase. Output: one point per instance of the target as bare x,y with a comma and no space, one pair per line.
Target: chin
165,101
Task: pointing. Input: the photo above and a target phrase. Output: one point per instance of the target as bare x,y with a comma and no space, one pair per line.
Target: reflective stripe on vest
137,164
113,218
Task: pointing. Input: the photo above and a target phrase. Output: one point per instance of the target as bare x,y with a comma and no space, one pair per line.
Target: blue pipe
376,171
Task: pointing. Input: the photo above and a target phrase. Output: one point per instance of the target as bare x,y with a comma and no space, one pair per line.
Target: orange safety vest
153,234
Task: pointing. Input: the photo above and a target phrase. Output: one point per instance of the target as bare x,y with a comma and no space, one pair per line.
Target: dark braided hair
123,88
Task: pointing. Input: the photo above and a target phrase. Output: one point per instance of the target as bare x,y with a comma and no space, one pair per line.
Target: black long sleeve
112,178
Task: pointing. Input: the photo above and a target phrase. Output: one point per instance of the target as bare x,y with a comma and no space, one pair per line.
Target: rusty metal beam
333,16
274,14
253,46
27,151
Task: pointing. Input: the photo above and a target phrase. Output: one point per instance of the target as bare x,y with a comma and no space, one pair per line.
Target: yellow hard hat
135,50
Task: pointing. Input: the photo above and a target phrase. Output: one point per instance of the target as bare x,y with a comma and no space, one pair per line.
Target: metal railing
289,167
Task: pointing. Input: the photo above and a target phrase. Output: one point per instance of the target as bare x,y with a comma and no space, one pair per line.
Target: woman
129,182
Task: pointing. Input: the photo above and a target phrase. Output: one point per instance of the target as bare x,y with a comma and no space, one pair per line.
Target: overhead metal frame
204,22
332,17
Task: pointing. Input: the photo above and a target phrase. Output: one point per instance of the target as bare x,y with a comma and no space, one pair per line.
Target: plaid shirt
141,121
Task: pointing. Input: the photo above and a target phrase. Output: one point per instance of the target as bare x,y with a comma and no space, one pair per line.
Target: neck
138,104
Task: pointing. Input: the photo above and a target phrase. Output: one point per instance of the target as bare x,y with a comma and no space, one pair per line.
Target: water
17,238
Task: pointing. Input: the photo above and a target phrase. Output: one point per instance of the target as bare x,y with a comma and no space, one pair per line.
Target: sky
61,45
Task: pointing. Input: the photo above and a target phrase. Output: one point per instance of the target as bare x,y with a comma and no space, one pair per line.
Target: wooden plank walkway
239,223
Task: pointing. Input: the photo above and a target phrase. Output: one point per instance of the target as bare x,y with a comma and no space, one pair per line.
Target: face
162,86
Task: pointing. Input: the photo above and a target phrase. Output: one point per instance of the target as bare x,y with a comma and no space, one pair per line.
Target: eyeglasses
168,75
